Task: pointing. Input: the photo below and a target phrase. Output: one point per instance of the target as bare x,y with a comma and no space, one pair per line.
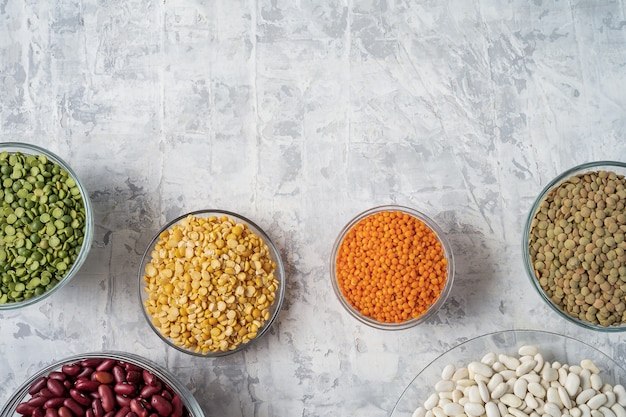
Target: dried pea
31,186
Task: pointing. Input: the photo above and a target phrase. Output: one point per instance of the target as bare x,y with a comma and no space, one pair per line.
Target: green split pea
42,225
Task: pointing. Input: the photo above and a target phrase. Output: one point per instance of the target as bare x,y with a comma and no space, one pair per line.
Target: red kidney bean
85,372
122,400
122,412
45,392
65,412
54,402
37,401
132,367
166,394
110,413
76,408
107,397
89,413
38,412
106,365
149,390
103,377
177,406
125,388
131,414
71,370
148,377
83,384
57,375
67,384
134,377
91,362
51,412
25,409
161,405
56,387
79,397
38,385
96,405
138,407
118,373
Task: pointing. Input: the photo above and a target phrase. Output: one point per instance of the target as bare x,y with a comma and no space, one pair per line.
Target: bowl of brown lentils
574,245
211,282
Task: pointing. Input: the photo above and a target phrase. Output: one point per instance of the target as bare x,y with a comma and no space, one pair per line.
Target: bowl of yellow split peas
46,224
574,245
392,267
211,283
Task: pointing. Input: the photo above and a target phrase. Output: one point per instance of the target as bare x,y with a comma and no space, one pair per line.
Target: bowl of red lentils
574,246
392,267
211,283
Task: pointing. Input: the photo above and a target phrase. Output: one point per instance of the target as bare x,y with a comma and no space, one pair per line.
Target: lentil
391,267
210,284
42,225
586,269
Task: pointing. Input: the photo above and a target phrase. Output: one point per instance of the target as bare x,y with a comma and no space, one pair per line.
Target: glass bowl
24,262
222,297
370,319
566,295
552,346
193,409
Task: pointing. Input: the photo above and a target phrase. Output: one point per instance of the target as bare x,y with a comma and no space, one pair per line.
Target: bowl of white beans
518,373
211,283
46,224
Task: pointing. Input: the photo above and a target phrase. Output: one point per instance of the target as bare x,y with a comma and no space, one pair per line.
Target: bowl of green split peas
574,245
46,224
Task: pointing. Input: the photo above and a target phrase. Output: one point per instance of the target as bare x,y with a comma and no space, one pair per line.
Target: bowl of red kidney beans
103,384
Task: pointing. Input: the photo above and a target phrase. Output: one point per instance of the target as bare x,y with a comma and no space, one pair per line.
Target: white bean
492,410
596,381
572,384
550,374
489,359
530,350
575,412
508,374
562,375
517,413
552,409
419,412
509,361
596,401
531,401
585,410
511,400
495,380
520,388
606,411
480,368
445,386
504,410
432,401
499,391
474,409
553,397
585,395
498,366
585,379
589,364
483,391
474,395
540,362
537,389
620,394
525,367
438,412
564,396
453,409
460,373
448,372
618,410
610,398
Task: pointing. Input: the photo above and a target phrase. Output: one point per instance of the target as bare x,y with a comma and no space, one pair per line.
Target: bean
71,370
89,413
56,387
106,365
54,402
74,407
149,390
106,397
97,408
25,409
83,384
148,377
178,407
122,412
161,405
85,372
59,376
119,374
51,412
80,397
37,401
38,385
103,377
125,388
91,362
122,400
65,412
138,407
38,412
133,377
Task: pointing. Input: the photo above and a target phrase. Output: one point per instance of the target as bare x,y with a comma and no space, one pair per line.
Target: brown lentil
210,284
577,247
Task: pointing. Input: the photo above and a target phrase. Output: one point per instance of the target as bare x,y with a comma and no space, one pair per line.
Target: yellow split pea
210,284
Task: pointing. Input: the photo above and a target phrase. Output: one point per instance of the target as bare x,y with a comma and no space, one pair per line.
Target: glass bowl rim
280,268
441,236
530,271
161,372
494,334
89,220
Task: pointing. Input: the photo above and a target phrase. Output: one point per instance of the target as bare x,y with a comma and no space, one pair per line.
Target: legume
391,267
578,250
42,225
210,284
101,387
524,385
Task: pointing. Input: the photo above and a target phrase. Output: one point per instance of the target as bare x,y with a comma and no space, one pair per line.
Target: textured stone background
299,115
